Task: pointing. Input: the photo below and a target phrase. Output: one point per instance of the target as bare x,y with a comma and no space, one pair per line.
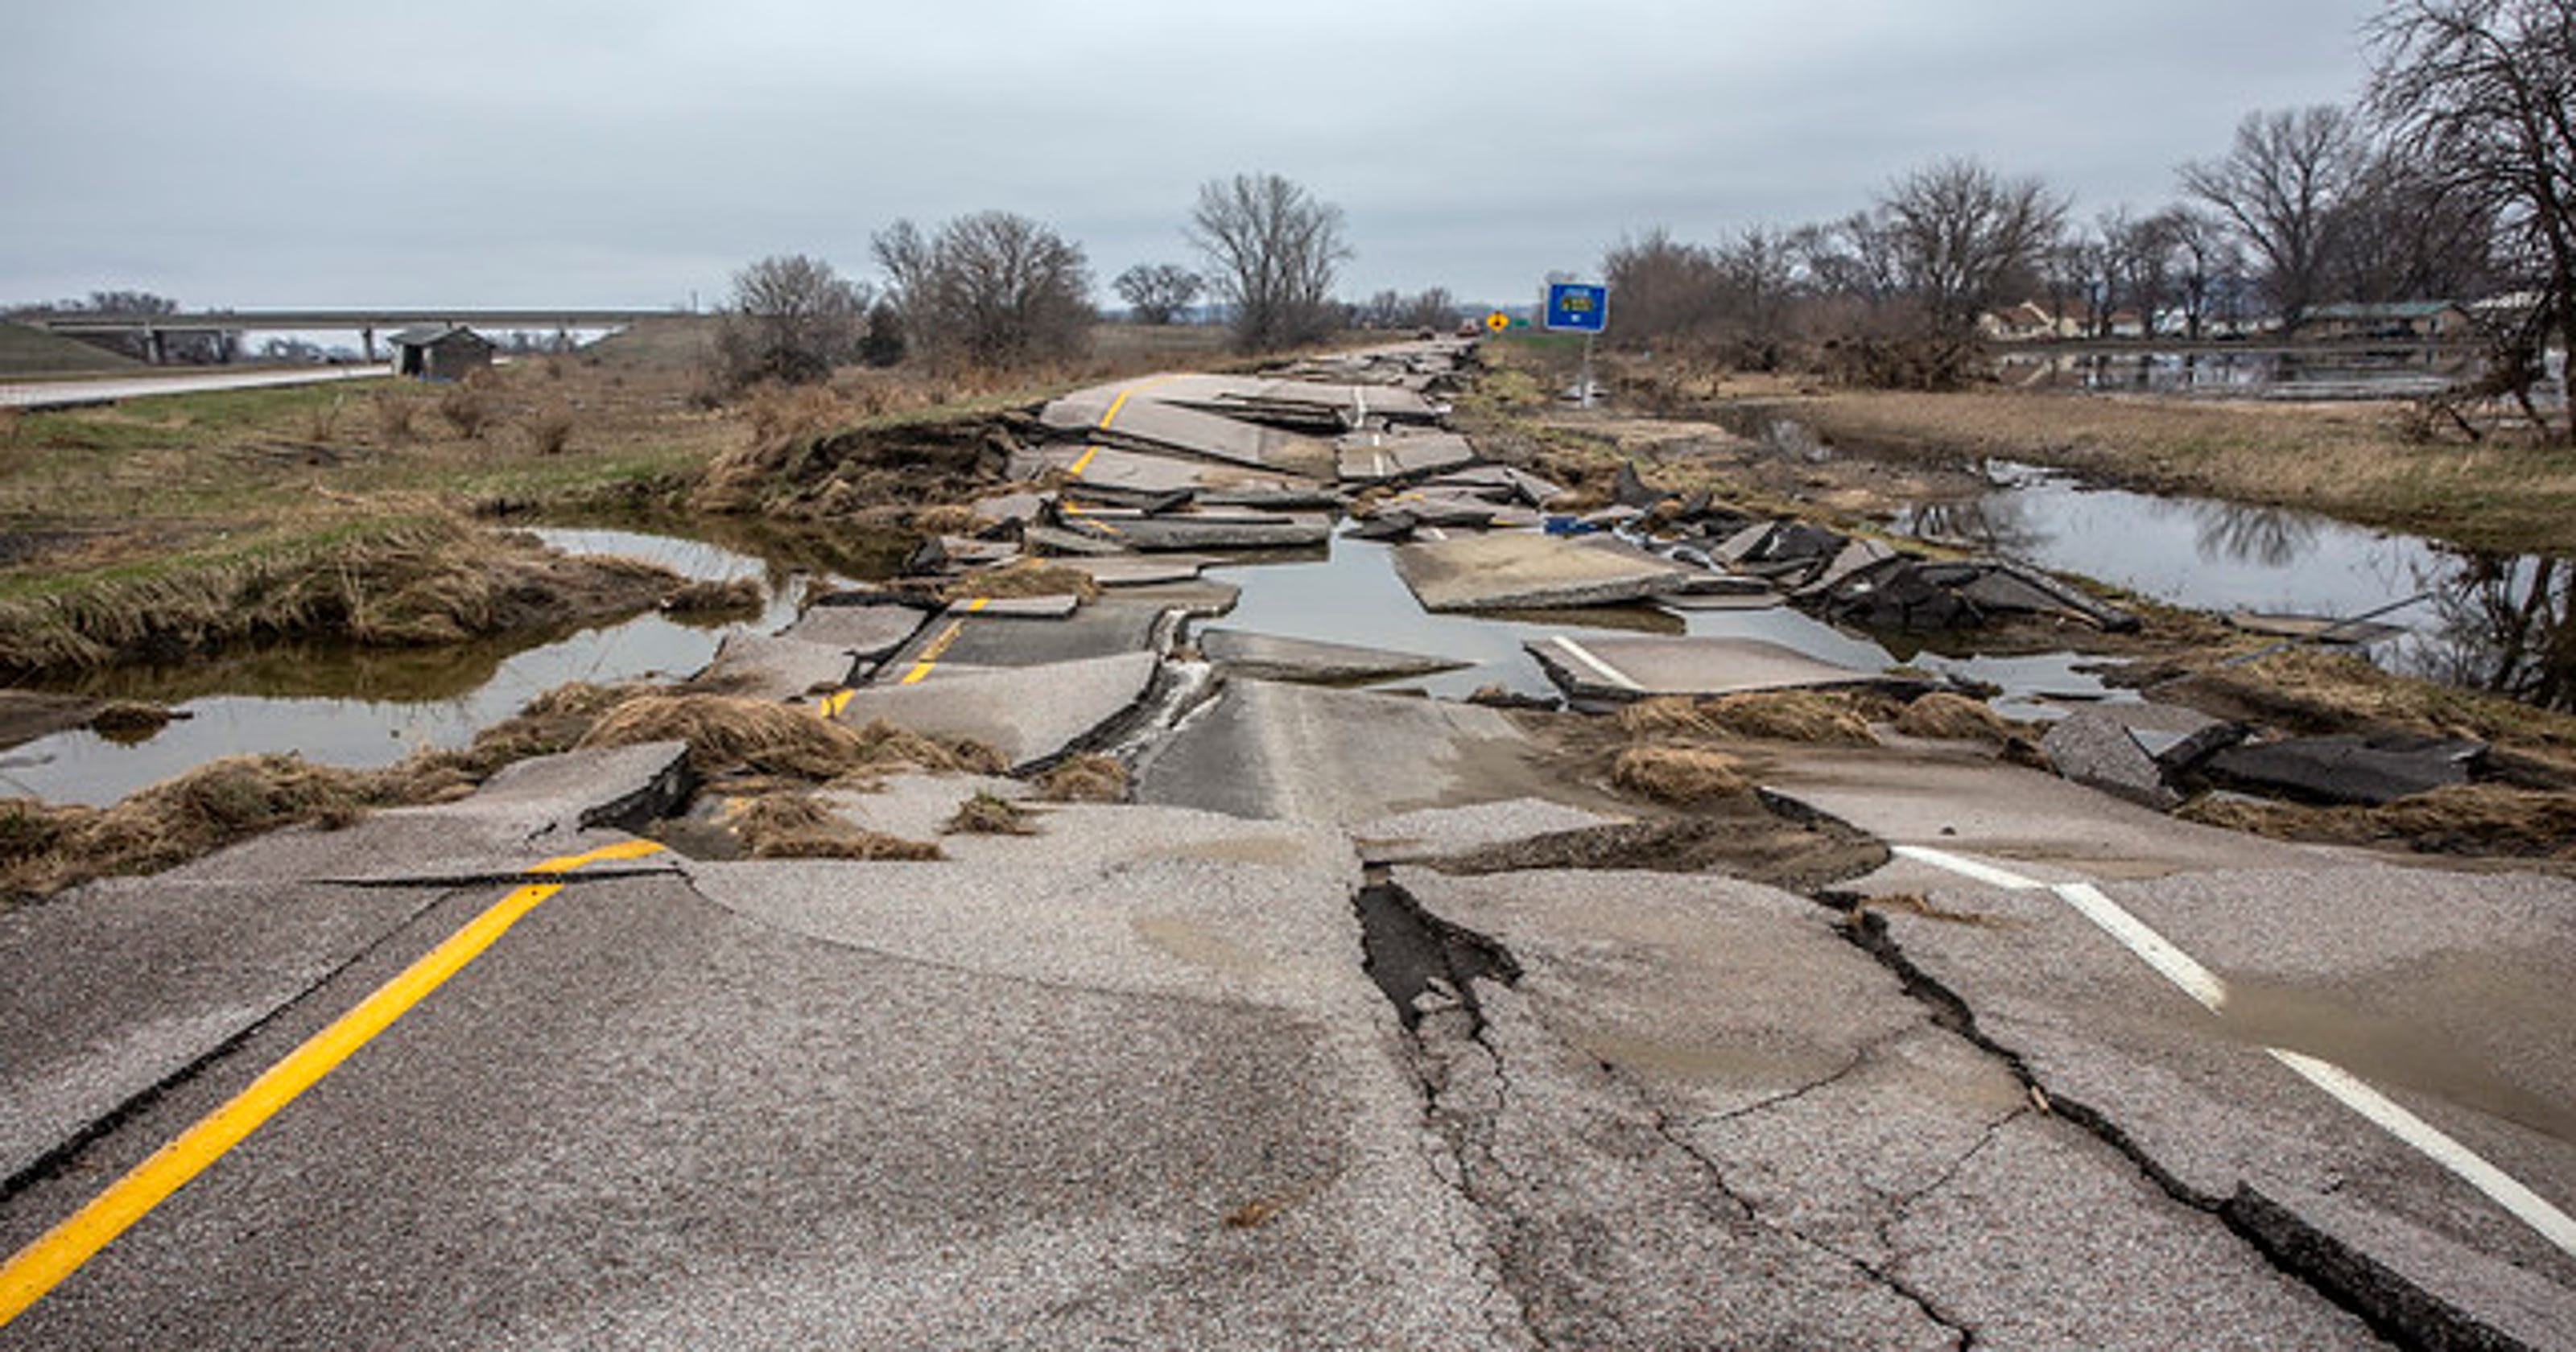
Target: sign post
1579,307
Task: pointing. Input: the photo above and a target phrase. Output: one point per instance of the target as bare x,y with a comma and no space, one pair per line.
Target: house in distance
440,351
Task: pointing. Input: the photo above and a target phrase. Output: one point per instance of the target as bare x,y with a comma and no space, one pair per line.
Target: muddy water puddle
343,705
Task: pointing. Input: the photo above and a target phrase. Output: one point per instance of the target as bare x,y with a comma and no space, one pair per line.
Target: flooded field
340,704
2399,371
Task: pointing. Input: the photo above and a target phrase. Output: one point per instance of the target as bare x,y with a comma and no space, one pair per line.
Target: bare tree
2410,232
1156,293
2281,185
992,289
790,318
2207,262
2485,91
1273,250
1384,310
1430,308
1959,237
1664,287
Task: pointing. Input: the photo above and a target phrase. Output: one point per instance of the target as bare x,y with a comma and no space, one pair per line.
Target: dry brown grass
725,733
433,580
708,598
2310,690
1681,775
990,814
46,848
946,519
2462,819
1023,577
1084,779
793,826
1944,716
1815,716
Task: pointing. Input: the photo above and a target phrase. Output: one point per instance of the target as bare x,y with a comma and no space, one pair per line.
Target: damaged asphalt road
1238,1062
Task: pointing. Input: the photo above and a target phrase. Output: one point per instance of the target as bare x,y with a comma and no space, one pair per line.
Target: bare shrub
468,408
992,291
791,320
395,415
549,431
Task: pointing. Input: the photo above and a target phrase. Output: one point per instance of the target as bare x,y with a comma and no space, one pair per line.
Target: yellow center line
1072,508
46,1261
1121,401
1085,462
931,652
830,705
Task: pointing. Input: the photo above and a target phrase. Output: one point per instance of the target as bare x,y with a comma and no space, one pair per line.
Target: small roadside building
440,352
2416,319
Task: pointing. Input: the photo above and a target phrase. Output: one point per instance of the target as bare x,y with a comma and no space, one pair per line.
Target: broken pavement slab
2346,769
1379,457
1030,714
2099,752
757,666
1271,657
1117,413
1619,667
2436,991
1117,472
868,631
1741,1089
1518,571
1275,750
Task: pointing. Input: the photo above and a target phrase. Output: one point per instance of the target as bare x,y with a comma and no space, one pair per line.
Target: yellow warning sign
1498,321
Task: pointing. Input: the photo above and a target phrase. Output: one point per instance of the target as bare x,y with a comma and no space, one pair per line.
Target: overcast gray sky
626,153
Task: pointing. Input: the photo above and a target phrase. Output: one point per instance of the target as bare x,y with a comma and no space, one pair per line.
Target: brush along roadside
771,751
410,583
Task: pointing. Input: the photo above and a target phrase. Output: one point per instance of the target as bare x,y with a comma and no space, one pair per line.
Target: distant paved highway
62,393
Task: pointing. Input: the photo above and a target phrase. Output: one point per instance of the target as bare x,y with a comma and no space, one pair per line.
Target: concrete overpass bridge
157,329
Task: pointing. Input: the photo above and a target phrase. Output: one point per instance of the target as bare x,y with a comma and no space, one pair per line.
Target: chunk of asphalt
2097,752
1277,658
2348,769
1029,714
871,631
1516,571
758,666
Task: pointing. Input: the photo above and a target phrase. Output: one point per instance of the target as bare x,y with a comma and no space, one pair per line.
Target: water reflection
2507,625
2397,371
2270,536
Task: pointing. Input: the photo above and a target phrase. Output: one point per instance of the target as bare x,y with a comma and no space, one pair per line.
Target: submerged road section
1361,1017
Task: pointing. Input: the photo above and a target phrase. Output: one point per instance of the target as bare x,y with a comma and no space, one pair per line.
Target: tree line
998,290
2451,176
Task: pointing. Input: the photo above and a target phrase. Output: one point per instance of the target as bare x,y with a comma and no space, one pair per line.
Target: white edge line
2527,1206
2201,984
1969,868
1608,672
2154,949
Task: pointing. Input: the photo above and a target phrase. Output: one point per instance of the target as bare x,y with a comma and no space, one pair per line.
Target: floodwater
1354,596
2494,622
343,705
2399,371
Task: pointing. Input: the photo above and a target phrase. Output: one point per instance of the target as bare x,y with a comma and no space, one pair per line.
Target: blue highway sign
1577,307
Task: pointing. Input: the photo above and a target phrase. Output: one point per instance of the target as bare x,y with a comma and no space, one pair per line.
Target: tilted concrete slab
1029,714
2441,993
868,632
1378,457
1618,667
1110,570
1187,531
1532,572
1115,470
1112,414
1271,657
1017,607
1123,623
1268,749
757,666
